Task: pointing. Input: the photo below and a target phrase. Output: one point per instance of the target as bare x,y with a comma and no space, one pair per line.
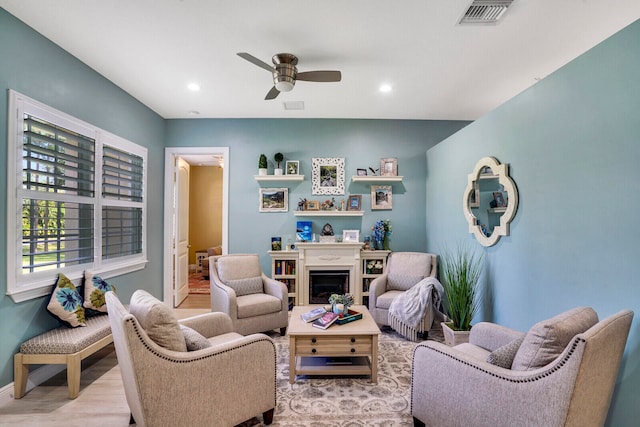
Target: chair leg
131,419
268,416
283,331
417,423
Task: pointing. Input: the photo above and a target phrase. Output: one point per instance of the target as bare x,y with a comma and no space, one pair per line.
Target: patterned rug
198,284
348,401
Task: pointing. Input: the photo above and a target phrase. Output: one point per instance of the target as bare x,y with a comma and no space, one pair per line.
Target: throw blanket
409,308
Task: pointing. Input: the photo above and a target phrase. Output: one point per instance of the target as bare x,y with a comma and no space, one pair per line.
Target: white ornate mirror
490,201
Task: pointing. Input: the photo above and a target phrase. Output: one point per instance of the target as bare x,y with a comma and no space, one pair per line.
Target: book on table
312,315
325,320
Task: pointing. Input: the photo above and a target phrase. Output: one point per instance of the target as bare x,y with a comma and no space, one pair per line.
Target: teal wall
32,65
573,144
361,142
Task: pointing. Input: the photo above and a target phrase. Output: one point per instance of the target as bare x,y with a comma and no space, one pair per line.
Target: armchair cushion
385,300
547,339
238,267
503,356
193,339
157,320
258,304
246,286
402,282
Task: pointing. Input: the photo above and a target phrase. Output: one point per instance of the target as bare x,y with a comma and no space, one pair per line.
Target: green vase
385,242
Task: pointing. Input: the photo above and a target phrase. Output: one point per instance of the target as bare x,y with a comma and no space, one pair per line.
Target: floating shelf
328,213
278,177
497,210
366,178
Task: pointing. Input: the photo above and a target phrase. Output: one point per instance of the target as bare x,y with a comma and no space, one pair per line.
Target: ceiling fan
285,73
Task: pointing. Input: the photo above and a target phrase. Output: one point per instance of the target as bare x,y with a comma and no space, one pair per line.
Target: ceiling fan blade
272,94
319,76
255,61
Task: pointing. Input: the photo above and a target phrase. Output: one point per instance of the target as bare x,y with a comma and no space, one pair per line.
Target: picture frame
312,205
350,235
292,167
499,199
354,202
389,166
381,197
274,200
327,176
474,196
361,172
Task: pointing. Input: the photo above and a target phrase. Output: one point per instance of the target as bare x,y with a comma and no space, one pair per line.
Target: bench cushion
65,340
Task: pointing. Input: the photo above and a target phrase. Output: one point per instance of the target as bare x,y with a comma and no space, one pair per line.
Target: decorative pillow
66,303
546,340
503,356
193,339
402,282
94,290
250,285
157,320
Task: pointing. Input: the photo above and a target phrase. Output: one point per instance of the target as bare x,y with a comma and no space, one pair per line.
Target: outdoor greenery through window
63,224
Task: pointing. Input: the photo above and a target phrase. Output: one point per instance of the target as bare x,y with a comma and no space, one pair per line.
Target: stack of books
326,320
312,315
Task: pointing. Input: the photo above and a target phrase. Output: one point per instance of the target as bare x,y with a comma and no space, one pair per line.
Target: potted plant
340,303
278,158
460,277
262,165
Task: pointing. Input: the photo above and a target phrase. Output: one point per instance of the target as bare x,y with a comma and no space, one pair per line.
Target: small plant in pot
262,165
460,277
278,158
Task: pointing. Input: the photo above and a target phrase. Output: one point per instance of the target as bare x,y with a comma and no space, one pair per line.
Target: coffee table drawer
332,346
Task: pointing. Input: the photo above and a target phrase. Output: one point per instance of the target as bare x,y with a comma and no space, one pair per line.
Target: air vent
293,105
485,11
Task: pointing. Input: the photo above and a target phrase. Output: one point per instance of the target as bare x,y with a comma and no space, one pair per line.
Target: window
57,221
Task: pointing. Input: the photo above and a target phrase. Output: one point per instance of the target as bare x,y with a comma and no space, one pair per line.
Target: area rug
345,401
198,284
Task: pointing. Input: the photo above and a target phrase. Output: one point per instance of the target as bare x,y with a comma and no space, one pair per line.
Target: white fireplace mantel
329,256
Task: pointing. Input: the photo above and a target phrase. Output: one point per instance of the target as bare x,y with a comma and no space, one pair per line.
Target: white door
181,209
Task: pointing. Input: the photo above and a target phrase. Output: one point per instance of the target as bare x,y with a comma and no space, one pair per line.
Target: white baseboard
36,377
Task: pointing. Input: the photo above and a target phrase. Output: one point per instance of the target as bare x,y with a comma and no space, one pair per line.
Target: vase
338,308
385,242
453,337
378,245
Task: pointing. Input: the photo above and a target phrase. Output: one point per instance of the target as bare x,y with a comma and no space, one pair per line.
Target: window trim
20,288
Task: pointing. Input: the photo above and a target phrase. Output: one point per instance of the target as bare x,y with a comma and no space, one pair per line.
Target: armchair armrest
491,336
223,297
209,324
378,286
274,287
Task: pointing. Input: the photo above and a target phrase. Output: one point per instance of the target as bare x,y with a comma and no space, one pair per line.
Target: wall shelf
366,178
328,213
278,177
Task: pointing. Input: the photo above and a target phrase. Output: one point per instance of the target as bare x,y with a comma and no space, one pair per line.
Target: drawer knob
353,340
313,340
313,350
353,350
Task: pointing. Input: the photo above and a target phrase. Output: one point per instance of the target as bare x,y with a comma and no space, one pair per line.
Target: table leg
374,360
292,359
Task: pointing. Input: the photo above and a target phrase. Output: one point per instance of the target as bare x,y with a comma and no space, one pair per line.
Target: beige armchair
253,301
403,271
212,251
229,380
560,373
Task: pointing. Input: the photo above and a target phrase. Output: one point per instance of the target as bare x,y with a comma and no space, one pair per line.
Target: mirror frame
500,171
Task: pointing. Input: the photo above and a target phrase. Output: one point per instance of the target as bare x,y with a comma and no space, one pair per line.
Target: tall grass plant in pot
460,276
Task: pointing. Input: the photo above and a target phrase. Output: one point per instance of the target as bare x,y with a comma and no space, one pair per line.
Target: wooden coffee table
349,349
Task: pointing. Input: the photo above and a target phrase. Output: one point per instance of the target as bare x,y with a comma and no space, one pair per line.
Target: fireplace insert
323,283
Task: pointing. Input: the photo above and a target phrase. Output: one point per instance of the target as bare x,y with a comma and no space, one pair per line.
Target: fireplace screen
323,283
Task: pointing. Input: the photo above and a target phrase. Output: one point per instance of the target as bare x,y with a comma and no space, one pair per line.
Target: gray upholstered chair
253,301
403,270
562,372
228,380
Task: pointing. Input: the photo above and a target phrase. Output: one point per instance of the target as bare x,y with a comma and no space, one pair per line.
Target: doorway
175,264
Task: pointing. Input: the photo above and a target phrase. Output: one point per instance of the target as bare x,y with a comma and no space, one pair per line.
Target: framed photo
388,166
350,235
312,205
362,172
499,199
327,175
292,167
274,200
354,203
381,197
474,197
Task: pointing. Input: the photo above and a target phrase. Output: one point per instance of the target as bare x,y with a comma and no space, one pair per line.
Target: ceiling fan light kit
285,73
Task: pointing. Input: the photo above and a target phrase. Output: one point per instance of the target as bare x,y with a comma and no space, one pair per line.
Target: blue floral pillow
94,289
66,303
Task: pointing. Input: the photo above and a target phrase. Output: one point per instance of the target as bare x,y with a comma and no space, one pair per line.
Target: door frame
169,219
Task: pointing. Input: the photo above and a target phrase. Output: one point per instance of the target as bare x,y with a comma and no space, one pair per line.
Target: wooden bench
63,345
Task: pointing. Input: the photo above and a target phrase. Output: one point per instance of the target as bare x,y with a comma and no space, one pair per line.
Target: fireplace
323,283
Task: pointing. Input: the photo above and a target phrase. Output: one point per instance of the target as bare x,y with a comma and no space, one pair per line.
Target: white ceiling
437,69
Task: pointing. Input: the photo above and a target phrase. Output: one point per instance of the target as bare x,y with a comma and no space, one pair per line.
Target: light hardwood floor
101,402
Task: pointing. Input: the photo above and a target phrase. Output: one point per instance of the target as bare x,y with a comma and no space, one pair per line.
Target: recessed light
385,88
193,86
